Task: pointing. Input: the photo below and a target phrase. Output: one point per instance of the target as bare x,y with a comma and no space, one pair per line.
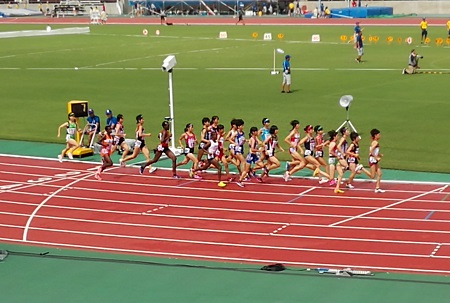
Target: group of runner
254,156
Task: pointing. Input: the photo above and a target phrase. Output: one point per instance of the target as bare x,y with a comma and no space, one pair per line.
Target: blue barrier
362,12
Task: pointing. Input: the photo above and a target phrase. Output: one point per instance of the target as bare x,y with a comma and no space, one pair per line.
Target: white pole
274,51
172,122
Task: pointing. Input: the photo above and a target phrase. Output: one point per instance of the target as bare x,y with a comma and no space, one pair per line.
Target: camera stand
347,123
345,102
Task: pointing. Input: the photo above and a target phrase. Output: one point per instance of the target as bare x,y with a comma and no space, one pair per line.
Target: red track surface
298,223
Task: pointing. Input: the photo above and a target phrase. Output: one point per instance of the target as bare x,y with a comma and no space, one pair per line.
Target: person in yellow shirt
448,28
423,27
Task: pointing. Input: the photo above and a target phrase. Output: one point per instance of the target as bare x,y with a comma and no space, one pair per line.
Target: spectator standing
424,32
327,12
240,16
286,84
448,28
163,17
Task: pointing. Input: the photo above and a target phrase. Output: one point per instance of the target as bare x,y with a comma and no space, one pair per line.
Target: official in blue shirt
286,84
356,31
111,121
359,47
93,126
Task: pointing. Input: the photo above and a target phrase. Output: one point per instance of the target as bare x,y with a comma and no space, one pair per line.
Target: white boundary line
221,258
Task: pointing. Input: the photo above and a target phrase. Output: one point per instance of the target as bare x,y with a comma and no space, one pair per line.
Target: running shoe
231,179
122,164
70,156
379,190
240,184
286,176
323,181
191,173
60,158
359,167
316,172
349,186
259,179
332,182
98,177
338,191
287,166
221,184
176,177
197,177
141,170
151,170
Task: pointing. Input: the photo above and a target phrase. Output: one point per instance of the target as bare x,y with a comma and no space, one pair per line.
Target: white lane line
279,229
208,230
27,225
435,250
386,207
229,244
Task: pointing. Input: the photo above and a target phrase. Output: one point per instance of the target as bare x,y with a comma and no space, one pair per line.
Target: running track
229,20
299,223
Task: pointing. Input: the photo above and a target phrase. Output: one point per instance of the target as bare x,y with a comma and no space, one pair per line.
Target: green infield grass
119,69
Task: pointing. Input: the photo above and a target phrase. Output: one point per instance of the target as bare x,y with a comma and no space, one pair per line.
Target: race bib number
187,150
116,140
292,150
331,161
238,149
104,151
372,160
137,143
351,160
308,153
319,154
160,148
